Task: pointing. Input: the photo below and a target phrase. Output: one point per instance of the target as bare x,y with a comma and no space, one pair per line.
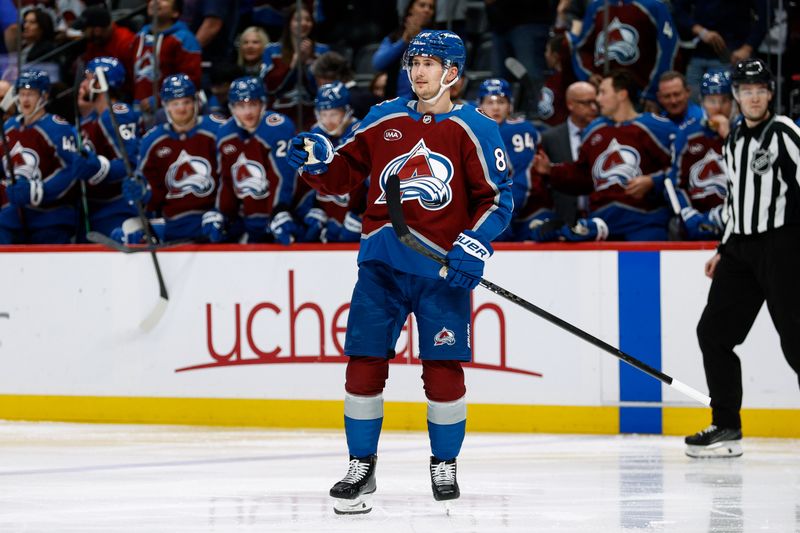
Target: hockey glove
318,160
135,190
545,230
131,232
351,228
282,227
315,221
466,259
213,226
699,226
25,192
586,229
90,167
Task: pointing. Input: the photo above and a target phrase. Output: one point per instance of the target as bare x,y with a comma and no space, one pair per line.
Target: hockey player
521,140
623,160
702,178
177,174
41,165
107,208
455,189
257,181
335,218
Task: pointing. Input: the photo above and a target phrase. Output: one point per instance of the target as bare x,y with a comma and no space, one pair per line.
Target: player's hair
624,80
673,75
332,65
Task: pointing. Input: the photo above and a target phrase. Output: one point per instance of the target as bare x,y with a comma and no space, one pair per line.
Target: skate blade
730,448
360,505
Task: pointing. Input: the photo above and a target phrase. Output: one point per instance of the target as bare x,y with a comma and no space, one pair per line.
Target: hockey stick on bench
394,204
155,315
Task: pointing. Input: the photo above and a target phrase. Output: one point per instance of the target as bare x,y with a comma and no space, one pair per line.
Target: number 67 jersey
453,172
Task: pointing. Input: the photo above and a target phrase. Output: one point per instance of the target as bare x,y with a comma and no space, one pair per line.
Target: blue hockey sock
363,416
447,422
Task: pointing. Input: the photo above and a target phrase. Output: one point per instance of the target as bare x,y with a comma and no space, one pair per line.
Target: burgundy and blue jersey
700,166
641,39
453,172
181,168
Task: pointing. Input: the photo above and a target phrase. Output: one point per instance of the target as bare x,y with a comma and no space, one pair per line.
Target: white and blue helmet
441,44
177,86
494,87
716,82
332,96
245,89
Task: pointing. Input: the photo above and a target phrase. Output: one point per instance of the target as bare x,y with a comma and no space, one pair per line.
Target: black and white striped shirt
763,180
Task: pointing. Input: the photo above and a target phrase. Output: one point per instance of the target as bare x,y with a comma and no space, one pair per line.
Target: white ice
114,478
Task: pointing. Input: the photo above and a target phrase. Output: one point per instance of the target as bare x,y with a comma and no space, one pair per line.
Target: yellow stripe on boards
319,414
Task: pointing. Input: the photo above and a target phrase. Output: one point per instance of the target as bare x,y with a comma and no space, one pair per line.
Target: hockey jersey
178,52
181,168
105,196
521,140
641,39
612,154
43,151
255,178
700,167
453,172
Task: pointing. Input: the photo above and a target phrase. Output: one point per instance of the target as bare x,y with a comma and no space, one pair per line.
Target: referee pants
752,269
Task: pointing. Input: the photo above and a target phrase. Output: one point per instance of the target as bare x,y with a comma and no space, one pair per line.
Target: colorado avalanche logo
444,337
424,176
623,44
189,175
546,106
708,177
143,66
249,178
26,162
617,165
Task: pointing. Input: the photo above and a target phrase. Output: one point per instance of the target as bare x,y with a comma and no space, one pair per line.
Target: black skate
351,493
443,480
714,441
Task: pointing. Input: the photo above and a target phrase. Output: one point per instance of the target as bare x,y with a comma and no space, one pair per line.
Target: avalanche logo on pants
424,176
444,337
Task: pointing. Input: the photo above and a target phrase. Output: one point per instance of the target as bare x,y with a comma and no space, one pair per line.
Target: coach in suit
561,142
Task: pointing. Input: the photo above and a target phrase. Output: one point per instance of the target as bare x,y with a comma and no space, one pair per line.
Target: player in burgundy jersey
257,182
456,194
41,165
622,163
177,176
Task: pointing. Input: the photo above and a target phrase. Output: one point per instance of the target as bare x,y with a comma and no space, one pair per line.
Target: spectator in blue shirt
8,24
214,24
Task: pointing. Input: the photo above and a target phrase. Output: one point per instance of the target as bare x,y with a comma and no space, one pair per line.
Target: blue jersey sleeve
521,140
666,135
64,139
128,121
667,36
276,131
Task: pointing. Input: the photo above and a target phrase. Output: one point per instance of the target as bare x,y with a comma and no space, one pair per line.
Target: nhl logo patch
426,119
762,161
444,337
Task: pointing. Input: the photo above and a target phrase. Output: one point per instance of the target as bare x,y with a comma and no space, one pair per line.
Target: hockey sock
447,422
363,416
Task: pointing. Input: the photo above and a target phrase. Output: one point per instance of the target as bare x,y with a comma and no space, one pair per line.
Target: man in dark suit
561,142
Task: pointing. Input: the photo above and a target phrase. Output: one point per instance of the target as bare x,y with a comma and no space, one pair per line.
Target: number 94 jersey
521,140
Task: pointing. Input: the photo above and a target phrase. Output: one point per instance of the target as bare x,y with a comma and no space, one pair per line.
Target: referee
758,258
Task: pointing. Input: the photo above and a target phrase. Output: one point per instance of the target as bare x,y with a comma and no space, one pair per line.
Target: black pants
752,269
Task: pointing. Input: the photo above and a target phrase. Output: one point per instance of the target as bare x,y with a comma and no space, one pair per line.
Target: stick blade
516,68
151,320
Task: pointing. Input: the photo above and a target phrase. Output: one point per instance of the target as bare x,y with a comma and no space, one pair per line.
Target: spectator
331,67
178,52
520,30
38,35
622,163
8,25
726,31
378,85
252,44
105,38
551,108
673,97
214,25
562,142
641,40
388,58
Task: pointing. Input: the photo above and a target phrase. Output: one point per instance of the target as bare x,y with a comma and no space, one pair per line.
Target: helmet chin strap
442,87
40,104
194,116
241,124
337,131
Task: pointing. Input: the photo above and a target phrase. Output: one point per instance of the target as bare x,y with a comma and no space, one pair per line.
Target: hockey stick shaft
394,202
150,321
76,109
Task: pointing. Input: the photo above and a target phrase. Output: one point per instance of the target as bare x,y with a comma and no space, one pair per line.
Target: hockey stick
519,72
163,297
393,200
105,240
675,226
79,66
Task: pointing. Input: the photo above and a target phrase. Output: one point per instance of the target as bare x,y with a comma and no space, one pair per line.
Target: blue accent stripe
640,336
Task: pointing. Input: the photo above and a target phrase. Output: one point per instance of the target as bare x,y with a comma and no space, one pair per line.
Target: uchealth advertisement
270,324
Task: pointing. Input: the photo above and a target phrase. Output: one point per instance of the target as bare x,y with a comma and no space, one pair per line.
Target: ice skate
714,441
352,495
443,481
